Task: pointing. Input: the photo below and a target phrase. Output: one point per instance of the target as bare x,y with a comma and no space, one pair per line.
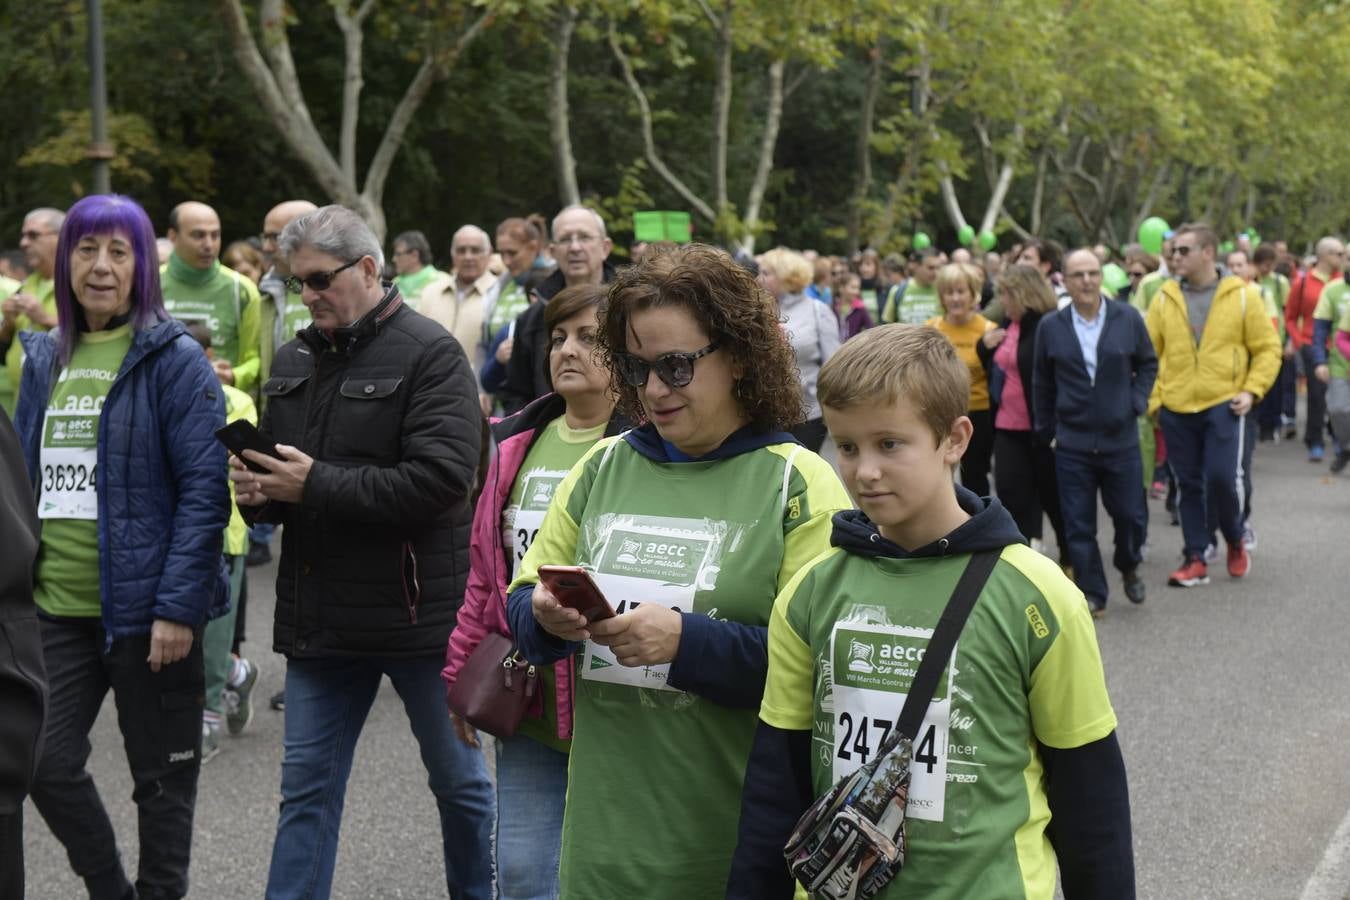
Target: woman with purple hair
117,412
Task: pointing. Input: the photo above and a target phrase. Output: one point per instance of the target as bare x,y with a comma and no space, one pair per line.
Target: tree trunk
278,89
866,125
772,119
560,128
722,108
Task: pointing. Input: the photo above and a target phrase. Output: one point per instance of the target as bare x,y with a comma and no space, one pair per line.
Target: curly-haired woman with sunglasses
690,525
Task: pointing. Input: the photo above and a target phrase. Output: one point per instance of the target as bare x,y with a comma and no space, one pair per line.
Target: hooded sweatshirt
1024,688
658,752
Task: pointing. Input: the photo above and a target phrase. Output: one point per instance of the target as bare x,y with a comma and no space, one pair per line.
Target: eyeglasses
319,281
1182,251
34,235
269,236
1086,276
675,369
1135,274
585,240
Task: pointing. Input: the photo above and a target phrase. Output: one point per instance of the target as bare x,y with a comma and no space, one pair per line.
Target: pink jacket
484,606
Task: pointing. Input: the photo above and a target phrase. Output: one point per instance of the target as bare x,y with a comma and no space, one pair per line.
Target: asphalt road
1233,699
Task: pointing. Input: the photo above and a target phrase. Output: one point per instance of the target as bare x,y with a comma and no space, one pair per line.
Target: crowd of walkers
433,445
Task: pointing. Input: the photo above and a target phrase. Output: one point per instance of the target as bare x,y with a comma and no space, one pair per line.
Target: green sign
662,225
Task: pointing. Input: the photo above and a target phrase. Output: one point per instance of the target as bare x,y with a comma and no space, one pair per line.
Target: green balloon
988,241
922,241
1151,233
1226,247
1114,278
965,234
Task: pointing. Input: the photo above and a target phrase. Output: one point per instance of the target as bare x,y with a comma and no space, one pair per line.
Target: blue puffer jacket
163,496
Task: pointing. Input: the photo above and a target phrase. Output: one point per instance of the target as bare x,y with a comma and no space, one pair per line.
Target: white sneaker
1038,545
1211,553
1248,537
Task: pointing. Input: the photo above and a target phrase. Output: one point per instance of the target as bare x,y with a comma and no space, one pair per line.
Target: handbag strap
940,646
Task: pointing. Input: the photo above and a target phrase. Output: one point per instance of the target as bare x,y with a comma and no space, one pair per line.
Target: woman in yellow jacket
1217,355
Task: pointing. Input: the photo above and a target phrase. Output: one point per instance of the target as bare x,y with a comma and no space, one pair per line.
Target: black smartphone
244,435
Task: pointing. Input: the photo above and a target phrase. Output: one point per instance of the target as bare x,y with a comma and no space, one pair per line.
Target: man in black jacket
375,412
23,681
1095,367
581,247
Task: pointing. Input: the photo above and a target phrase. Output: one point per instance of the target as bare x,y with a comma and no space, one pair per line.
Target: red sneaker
1191,573
1239,560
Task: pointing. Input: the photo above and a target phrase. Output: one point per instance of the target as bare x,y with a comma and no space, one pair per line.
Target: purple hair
102,214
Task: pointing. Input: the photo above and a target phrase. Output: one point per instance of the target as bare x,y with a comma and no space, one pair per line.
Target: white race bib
522,522
649,563
69,464
873,667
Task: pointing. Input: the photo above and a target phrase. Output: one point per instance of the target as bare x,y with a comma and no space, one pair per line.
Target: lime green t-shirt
238,405
66,577
45,290
914,304
1331,307
1147,289
511,302
657,767
557,449
844,643
229,305
410,285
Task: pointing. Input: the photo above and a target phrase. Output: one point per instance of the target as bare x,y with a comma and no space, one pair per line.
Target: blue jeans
531,788
1119,477
327,701
1205,451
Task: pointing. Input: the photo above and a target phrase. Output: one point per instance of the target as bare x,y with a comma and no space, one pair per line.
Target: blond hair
881,365
1026,287
793,271
953,274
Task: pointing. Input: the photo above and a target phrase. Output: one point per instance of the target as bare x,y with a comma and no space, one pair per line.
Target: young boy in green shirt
1016,765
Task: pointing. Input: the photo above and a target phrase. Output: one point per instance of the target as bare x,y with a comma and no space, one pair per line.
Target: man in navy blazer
1094,369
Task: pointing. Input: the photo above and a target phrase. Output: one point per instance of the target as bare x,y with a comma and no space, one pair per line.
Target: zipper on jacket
412,589
296,563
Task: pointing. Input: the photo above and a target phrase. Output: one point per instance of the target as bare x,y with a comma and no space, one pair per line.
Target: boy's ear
958,439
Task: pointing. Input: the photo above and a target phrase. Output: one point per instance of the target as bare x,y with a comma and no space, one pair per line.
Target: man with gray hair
374,410
581,246
33,305
458,301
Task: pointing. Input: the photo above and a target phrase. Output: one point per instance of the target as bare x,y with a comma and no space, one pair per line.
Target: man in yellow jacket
1218,354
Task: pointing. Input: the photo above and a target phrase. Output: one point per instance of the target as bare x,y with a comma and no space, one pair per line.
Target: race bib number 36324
69,466
873,667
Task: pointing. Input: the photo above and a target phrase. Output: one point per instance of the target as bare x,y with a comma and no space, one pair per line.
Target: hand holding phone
574,589
243,435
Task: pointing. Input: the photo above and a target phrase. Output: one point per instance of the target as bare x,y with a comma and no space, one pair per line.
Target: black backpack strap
942,643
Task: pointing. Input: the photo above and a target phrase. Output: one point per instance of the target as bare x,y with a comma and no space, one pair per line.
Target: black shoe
1337,464
1134,586
278,701
1267,434
258,554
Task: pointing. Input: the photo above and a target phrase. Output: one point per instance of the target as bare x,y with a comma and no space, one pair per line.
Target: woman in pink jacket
536,448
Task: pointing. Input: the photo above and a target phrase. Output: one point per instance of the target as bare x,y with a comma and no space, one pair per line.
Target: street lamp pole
100,151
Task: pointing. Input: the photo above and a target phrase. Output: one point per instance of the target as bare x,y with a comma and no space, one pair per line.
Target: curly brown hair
730,306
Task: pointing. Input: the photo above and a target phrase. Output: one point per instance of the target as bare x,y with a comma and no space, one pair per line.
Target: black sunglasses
1182,251
319,281
675,369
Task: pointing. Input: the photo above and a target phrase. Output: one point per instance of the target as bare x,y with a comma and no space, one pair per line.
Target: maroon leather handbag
495,687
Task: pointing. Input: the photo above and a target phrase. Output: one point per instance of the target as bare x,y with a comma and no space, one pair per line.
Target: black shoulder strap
940,646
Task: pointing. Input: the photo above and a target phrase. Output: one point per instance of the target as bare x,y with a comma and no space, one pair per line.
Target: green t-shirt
844,643
1147,289
510,303
410,285
45,290
557,449
229,305
1332,306
914,304
658,767
66,577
